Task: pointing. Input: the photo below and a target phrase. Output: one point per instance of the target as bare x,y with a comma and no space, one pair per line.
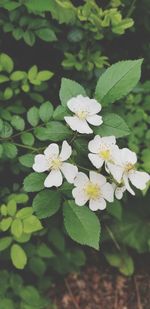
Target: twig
113,237
71,294
131,9
139,305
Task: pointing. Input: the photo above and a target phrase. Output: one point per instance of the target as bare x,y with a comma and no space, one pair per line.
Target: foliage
42,229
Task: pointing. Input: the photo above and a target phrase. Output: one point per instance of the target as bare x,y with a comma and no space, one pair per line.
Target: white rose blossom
94,189
118,190
85,111
124,171
54,162
103,150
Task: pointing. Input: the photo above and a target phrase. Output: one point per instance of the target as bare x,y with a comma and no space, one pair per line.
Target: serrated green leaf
5,224
60,112
18,256
32,73
46,34
112,124
27,160
55,131
44,75
11,207
27,138
82,224
34,182
31,224
18,123
33,116
44,251
69,89
24,213
46,203
10,150
17,227
118,80
46,111
6,63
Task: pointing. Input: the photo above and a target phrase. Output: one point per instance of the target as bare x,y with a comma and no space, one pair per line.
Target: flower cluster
119,164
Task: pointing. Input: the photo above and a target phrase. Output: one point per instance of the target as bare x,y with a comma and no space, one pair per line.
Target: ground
103,288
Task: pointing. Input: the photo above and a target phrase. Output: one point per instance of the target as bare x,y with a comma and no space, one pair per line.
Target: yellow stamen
92,190
56,164
82,115
105,154
129,167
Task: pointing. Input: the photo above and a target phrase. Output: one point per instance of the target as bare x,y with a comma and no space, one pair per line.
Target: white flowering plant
82,165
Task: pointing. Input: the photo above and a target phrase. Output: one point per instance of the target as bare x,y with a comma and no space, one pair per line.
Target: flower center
82,115
92,190
105,154
56,164
129,167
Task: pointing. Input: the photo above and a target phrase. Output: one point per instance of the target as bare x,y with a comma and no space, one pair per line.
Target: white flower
85,111
119,190
95,190
54,162
125,171
104,149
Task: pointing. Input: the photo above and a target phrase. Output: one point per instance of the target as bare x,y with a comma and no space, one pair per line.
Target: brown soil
96,288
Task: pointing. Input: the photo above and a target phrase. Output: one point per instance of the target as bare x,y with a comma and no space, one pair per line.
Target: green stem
131,9
112,237
27,147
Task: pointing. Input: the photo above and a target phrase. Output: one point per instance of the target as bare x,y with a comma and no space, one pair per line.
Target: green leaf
44,251
46,34
118,80
27,138
6,63
32,73
69,89
24,213
122,260
46,203
18,75
60,112
44,75
55,131
29,37
11,207
82,224
3,78
46,111
33,116
5,242
10,150
32,298
40,6
27,160
17,227
18,123
31,224
5,224
18,256
6,130
112,124
115,209
34,182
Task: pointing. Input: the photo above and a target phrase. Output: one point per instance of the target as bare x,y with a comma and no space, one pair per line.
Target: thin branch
113,237
139,305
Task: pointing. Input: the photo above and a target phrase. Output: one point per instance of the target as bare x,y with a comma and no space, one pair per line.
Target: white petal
97,178
95,120
78,125
116,171
79,196
126,183
78,103
97,204
119,192
81,180
52,150
66,151
96,160
139,179
53,179
128,156
40,164
70,171
94,144
108,192
93,106
109,140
